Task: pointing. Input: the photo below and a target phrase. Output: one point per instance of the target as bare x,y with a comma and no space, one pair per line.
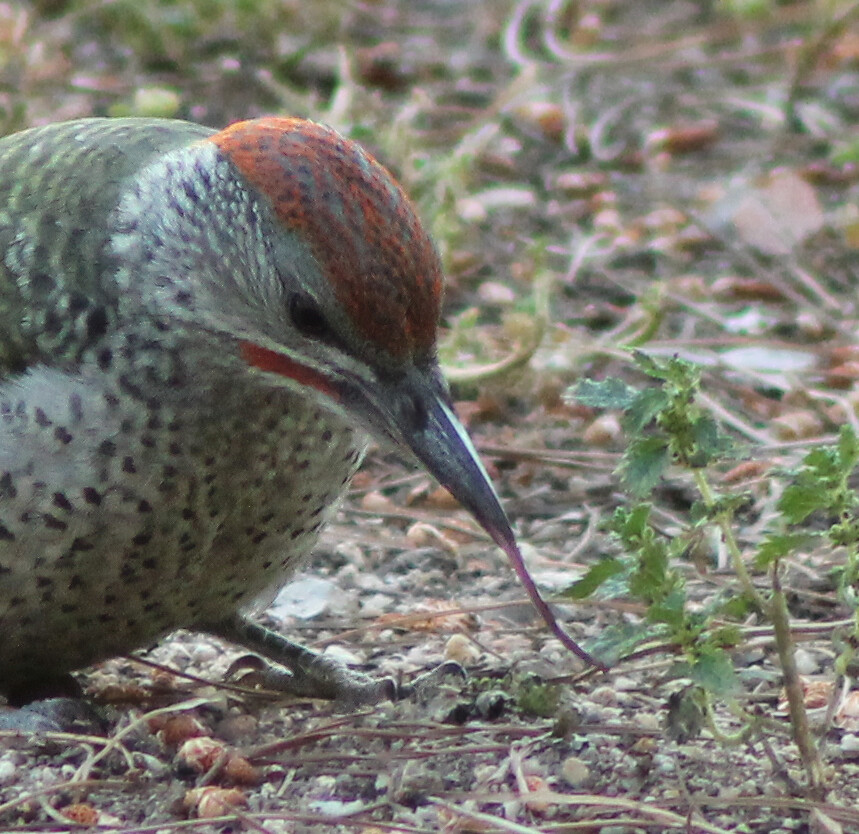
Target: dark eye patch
308,318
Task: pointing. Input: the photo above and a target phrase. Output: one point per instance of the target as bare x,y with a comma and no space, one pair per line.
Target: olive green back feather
58,186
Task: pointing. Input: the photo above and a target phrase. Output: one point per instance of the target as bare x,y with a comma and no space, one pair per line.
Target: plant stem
740,735
795,697
730,540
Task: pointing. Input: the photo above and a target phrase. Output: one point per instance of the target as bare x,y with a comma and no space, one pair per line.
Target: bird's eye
307,318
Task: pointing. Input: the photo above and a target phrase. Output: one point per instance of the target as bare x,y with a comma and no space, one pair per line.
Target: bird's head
296,244
358,309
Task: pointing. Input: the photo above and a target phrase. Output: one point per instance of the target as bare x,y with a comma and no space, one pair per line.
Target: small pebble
7,771
493,292
605,695
603,431
648,721
461,649
575,771
236,727
806,662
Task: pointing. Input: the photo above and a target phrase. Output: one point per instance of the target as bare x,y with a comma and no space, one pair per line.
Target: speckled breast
120,521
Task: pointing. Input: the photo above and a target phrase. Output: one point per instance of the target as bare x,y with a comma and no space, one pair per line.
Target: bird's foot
316,676
426,685
304,673
328,679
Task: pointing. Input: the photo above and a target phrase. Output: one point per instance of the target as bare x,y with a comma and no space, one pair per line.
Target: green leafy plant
821,486
666,428
670,432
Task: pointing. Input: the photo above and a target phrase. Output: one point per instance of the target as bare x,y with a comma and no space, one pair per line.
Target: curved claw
423,686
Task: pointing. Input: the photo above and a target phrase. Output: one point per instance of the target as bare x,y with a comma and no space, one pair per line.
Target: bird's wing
58,185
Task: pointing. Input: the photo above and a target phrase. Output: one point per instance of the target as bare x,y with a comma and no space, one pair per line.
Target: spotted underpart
199,512
363,229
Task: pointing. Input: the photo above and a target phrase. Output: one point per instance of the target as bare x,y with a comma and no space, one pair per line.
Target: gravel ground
599,155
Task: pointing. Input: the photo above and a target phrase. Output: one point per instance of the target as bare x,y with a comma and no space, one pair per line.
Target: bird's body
196,330
143,486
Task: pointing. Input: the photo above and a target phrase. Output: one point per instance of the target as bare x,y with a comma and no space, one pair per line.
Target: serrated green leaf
844,533
619,639
726,636
798,502
700,513
681,373
608,393
669,610
643,464
732,503
597,574
651,581
644,409
648,364
738,607
779,545
821,464
711,442
714,671
630,524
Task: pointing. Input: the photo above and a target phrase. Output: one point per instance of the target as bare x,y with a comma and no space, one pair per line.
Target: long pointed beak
446,450
444,447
